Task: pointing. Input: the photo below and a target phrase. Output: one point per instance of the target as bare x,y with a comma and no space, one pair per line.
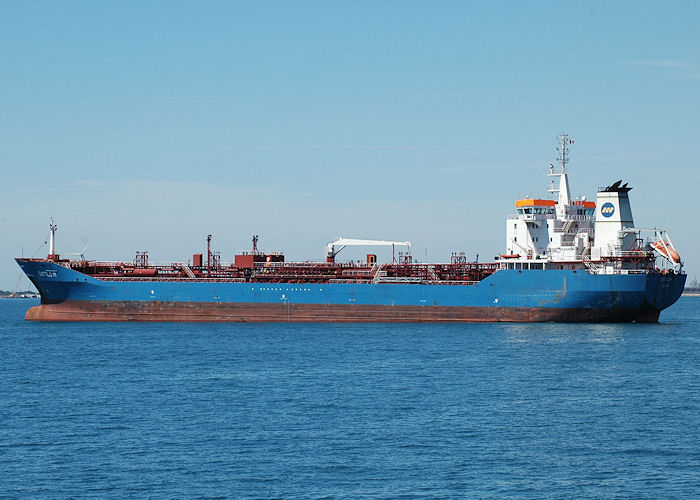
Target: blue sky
148,125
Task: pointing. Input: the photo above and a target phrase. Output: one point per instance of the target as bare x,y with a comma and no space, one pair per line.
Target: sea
134,410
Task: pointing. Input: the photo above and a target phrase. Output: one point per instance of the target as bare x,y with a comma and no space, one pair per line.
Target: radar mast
563,160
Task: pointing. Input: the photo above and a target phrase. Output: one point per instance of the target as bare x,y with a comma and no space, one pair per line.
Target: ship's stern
662,291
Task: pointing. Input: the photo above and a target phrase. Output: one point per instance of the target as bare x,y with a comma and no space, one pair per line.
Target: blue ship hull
506,295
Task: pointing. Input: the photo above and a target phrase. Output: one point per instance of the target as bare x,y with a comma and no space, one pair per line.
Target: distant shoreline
26,294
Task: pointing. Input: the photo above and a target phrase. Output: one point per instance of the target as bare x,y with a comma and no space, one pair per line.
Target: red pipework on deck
271,268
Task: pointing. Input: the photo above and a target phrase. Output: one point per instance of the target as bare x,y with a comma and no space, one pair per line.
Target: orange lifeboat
665,249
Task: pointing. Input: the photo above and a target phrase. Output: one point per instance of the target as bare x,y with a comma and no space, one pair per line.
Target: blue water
348,411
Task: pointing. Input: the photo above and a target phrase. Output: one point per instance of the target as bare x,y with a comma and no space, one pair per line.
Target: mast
563,151
563,159
52,239
208,255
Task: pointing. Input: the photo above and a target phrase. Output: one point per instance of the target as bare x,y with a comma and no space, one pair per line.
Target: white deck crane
341,242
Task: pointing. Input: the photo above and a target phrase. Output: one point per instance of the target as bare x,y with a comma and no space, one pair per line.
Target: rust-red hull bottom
254,312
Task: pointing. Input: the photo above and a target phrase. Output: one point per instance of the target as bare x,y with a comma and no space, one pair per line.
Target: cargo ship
566,260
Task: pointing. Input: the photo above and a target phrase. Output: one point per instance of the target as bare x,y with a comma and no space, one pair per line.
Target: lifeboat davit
665,249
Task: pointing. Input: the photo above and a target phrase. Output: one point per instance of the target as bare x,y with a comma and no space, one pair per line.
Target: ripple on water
519,410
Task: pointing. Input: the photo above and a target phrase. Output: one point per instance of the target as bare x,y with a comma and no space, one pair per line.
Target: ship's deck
291,272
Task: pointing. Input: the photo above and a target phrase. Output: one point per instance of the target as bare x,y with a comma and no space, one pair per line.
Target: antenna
563,190
563,157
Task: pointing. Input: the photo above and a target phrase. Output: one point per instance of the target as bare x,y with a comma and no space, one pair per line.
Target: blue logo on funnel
607,210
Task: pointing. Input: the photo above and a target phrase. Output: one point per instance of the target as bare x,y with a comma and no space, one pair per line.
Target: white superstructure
568,233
